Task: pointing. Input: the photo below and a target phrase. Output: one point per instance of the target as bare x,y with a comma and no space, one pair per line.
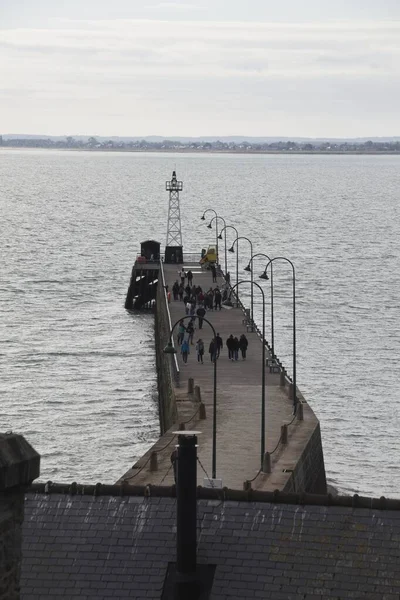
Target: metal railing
257,330
174,361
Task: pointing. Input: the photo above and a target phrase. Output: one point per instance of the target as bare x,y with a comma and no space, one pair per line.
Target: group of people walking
194,298
233,344
197,303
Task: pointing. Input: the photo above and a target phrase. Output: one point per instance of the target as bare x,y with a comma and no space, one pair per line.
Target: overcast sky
314,68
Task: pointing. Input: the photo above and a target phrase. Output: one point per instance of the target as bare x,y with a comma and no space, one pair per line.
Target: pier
234,450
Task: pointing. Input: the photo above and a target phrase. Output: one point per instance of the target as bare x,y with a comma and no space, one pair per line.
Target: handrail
240,304
175,359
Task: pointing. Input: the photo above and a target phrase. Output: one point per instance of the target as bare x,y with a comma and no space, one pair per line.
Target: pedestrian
200,350
243,343
181,331
175,290
188,306
207,302
217,299
192,311
230,344
220,344
190,277
185,351
213,273
181,292
213,350
190,331
201,311
183,275
235,348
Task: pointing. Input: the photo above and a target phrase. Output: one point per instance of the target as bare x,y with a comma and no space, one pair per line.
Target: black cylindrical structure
186,505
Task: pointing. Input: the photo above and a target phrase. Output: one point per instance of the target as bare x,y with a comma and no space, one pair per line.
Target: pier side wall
309,471
166,394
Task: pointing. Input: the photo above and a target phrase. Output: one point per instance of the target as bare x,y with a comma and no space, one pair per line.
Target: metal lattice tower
174,232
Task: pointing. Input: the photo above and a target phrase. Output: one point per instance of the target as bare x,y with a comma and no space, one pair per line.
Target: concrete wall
164,362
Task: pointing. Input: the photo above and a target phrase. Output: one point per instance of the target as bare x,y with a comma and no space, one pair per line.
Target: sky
290,68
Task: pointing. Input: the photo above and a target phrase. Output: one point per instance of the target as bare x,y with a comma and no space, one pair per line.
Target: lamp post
170,349
294,319
232,249
262,367
220,236
237,253
264,276
203,218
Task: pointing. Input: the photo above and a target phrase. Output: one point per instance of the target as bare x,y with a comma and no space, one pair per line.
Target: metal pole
263,384
216,237
214,432
186,504
272,313
294,343
226,255
237,266
251,279
294,323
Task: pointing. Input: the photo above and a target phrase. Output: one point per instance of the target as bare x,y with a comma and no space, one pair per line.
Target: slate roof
112,546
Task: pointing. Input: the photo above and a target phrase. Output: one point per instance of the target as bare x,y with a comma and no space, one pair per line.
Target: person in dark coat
175,290
213,273
201,311
220,344
243,343
230,343
235,348
181,292
188,290
189,276
213,350
217,299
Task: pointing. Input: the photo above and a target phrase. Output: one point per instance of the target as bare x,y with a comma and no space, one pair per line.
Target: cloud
246,70
176,6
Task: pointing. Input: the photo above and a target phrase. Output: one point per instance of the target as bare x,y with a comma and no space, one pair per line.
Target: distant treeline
92,143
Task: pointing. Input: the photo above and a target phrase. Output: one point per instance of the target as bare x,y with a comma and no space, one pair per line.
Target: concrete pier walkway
238,456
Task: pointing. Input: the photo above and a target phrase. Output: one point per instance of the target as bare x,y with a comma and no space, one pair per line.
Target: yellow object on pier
209,256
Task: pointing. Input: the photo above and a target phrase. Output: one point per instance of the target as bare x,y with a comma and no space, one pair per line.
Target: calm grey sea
78,371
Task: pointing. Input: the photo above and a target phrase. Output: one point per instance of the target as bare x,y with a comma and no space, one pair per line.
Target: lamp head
203,218
209,226
264,276
248,268
231,249
169,349
220,236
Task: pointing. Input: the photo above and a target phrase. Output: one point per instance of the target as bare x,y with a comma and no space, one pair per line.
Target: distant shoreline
201,151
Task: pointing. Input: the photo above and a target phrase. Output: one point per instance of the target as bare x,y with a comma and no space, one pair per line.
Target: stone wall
19,466
309,471
11,517
164,362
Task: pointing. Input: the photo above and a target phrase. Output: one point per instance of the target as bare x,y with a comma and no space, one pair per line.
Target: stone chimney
19,466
